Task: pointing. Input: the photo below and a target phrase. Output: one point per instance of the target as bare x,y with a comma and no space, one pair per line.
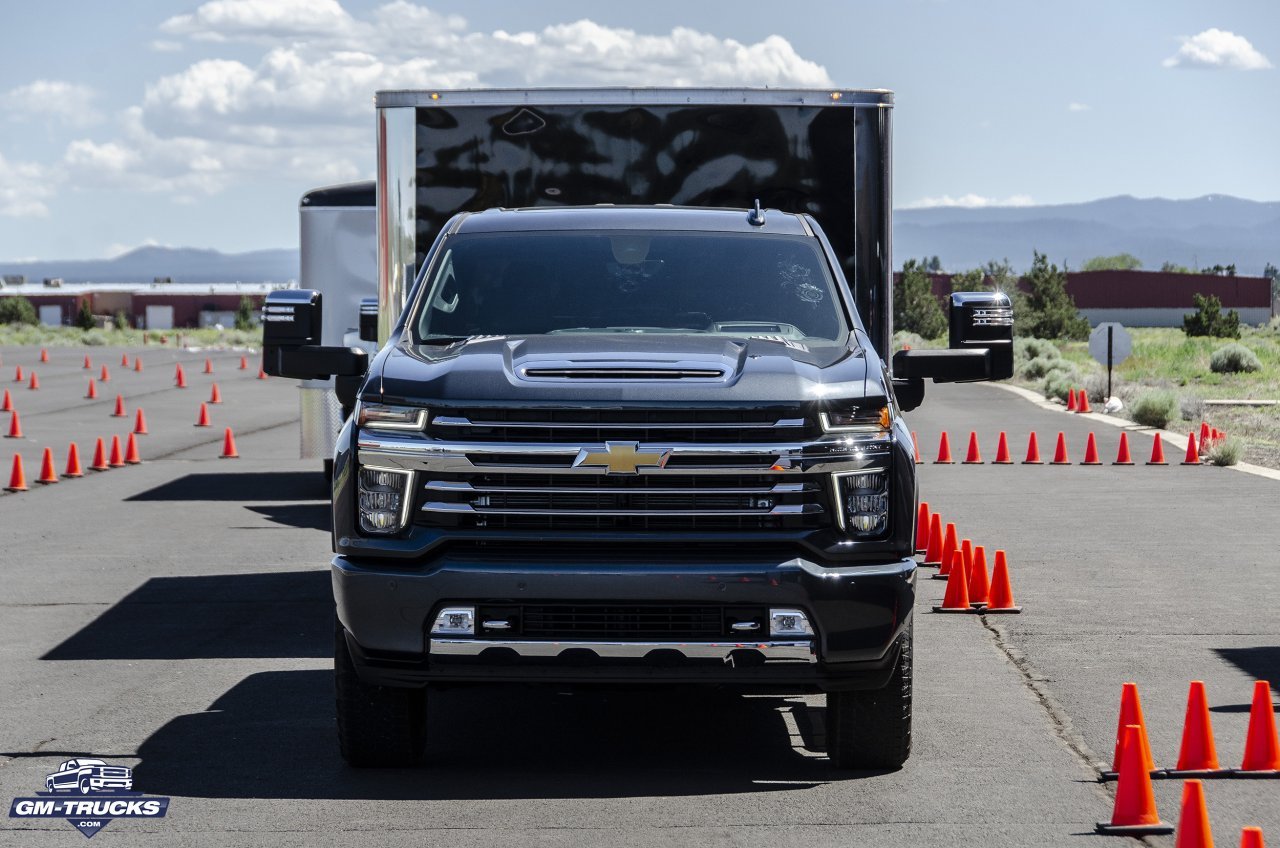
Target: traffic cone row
964,566
1196,450
1198,754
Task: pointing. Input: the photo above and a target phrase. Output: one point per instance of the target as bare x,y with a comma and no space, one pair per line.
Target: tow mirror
369,319
981,339
291,340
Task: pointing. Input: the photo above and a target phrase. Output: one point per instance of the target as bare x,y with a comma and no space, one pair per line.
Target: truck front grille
587,426
634,502
620,621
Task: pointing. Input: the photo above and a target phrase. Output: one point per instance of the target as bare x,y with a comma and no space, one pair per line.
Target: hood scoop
633,359
621,372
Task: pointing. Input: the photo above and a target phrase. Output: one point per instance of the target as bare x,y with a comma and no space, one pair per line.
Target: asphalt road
175,617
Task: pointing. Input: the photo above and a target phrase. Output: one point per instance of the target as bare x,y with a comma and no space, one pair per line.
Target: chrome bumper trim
773,651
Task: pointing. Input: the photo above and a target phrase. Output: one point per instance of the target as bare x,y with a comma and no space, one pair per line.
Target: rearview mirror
291,321
369,319
981,341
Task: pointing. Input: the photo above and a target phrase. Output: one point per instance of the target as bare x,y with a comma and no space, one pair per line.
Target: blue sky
200,124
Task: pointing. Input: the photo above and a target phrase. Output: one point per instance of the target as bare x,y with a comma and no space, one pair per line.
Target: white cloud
24,188
219,20
1216,48
970,201
65,102
164,45
1078,107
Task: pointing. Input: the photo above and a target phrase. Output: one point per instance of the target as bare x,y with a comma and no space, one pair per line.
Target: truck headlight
383,499
856,419
862,501
382,416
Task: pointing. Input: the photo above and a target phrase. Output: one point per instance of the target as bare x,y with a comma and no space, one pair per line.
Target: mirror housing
369,319
981,338
291,321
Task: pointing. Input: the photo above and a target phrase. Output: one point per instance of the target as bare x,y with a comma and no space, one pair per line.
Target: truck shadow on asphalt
273,736
276,614
276,495
1261,663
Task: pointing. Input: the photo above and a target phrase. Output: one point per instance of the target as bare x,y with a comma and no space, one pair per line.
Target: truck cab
648,444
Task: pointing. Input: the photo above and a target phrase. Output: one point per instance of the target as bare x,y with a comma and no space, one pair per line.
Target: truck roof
606,95
611,217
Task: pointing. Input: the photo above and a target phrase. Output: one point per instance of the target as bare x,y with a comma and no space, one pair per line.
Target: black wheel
85,788
378,726
872,729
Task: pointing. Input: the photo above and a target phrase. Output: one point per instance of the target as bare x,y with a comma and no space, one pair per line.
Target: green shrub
1233,358
1192,408
1059,382
1208,319
915,308
1035,349
1155,408
1035,369
95,338
17,310
1226,452
1046,310
84,316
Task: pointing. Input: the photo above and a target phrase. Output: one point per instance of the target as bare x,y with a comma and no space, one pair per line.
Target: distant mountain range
1210,230
184,264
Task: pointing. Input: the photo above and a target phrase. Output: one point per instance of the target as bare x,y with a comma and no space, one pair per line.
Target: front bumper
857,613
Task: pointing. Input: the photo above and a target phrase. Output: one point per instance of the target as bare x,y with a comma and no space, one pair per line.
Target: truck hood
626,368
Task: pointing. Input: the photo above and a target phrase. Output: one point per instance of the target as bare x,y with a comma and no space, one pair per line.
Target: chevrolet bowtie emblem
621,458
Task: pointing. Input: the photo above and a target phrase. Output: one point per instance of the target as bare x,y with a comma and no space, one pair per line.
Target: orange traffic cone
15,426
44,355
933,552
17,374
18,477
1071,400
1060,453
966,553
1261,747
979,585
1082,402
229,445
73,462
117,455
137,364
215,396
944,451
262,375
1001,595
99,457
1091,452
244,363
140,423
47,474
1123,456
1157,452
1198,755
180,377
202,420
88,364
1206,438
973,456
35,381
119,413
1193,818
208,365
105,376
922,527
131,456
1130,714
1251,837
92,394
1002,450
1134,813
956,598
1193,456
124,360
7,404
950,545
915,446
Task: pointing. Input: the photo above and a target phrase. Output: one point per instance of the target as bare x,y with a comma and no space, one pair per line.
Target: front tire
872,729
85,788
378,726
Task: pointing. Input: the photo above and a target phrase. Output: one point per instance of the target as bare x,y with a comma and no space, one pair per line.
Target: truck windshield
533,283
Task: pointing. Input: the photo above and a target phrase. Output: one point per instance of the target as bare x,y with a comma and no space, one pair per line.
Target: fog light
789,622
383,499
862,501
455,621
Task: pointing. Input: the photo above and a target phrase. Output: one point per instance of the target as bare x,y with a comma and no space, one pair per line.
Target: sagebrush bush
1036,369
1234,358
1095,385
1155,408
1035,349
1192,408
1226,452
1060,382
